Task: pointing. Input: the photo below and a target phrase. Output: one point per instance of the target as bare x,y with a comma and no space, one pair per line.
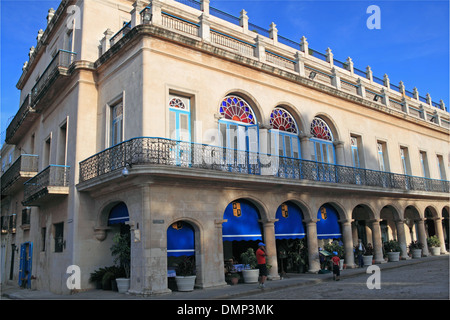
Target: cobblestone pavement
427,280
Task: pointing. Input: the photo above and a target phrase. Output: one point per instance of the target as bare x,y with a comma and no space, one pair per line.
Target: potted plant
392,248
298,254
185,274
434,245
368,255
415,248
97,276
234,277
250,273
107,278
122,255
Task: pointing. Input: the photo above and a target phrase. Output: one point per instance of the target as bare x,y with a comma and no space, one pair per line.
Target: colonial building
203,134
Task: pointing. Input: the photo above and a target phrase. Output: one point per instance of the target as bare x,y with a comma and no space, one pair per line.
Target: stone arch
391,211
331,124
306,209
301,124
175,254
263,210
431,215
101,225
362,214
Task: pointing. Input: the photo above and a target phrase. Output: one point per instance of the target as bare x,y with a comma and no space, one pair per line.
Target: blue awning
242,222
180,240
328,226
289,224
118,214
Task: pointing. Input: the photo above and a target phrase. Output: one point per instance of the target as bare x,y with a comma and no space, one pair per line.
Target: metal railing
62,59
160,151
20,116
25,163
52,176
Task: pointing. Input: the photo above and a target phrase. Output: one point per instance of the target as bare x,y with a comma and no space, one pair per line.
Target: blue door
26,253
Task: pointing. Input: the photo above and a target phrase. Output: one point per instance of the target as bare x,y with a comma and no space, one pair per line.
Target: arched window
285,141
321,130
322,141
238,128
237,109
282,120
177,103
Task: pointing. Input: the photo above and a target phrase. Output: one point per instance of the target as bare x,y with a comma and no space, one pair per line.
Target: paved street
427,280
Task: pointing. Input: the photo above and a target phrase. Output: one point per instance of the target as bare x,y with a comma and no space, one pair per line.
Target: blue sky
412,44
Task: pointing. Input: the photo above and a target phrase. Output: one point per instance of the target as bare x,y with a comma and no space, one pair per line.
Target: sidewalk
221,293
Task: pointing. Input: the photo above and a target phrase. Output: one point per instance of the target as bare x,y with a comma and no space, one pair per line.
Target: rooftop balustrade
244,38
172,153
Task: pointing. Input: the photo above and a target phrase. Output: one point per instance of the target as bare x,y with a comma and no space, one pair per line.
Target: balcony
50,183
191,156
21,121
44,89
24,168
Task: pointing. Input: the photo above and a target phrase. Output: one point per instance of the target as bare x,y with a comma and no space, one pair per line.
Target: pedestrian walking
335,260
360,250
261,260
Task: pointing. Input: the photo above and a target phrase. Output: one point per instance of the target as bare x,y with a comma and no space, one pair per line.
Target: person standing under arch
261,261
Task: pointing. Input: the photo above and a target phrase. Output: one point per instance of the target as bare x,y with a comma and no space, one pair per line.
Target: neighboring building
183,122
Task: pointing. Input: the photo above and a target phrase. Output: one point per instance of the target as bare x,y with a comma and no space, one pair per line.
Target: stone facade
110,89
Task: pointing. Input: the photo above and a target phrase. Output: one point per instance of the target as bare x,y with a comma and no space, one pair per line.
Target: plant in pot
298,253
122,254
185,274
233,277
96,277
415,248
250,273
368,255
392,248
434,245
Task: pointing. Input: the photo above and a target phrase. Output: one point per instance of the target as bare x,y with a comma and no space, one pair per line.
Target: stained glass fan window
320,129
282,120
177,103
237,109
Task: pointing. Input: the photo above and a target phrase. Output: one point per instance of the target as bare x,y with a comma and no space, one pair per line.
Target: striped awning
328,226
180,240
289,224
242,222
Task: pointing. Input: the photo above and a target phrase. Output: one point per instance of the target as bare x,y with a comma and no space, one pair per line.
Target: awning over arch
242,222
118,214
180,239
290,222
328,226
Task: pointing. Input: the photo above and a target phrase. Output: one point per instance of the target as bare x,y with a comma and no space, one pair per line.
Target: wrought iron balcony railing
52,180
159,151
59,65
25,166
25,114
